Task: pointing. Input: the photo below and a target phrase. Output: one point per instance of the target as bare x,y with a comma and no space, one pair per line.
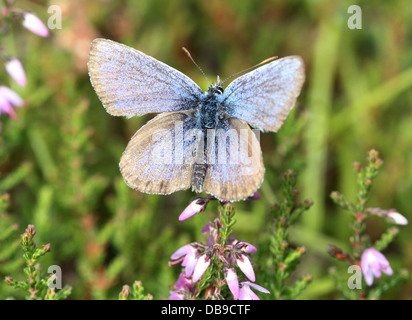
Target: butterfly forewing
234,166
264,96
160,156
129,82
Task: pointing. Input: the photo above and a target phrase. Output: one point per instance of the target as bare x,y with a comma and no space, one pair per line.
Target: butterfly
202,140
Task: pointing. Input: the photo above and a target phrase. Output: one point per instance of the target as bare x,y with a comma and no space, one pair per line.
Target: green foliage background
59,160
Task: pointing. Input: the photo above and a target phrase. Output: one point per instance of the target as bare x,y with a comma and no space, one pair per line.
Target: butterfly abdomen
200,165
199,173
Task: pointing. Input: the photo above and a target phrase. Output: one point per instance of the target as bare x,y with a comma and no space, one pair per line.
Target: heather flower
244,264
34,24
392,215
8,100
187,255
193,259
396,217
201,266
372,262
174,295
232,282
196,206
16,71
223,248
244,246
184,283
246,293
239,255
183,288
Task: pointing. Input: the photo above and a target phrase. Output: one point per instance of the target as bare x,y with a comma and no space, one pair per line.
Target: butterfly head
216,88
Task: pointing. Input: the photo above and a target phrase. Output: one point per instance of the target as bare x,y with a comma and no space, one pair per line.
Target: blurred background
59,158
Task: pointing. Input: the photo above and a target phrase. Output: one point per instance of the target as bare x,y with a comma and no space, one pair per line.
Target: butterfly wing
160,156
264,96
235,166
129,82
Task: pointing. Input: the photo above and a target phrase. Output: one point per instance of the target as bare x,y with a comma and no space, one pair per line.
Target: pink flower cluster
8,98
372,263
196,258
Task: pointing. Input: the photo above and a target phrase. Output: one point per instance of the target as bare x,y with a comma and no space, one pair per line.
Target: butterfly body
200,139
207,117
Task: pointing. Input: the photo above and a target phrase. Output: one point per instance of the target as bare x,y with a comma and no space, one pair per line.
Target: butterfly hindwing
234,166
160,156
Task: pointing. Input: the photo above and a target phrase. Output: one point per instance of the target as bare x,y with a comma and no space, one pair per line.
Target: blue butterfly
200,139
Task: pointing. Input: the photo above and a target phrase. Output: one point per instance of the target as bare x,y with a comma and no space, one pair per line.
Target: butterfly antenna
190,56
255,66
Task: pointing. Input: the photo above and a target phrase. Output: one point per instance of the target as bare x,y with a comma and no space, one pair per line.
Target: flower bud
34,24
16,71
196,206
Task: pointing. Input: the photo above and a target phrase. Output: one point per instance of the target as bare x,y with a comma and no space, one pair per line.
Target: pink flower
196,206
240,252
201,266
16,71
174,295
246,293
244,246
244,264
392,215
8,100
232,282
372,262
396,217
34,24
183,283
189,260
183,288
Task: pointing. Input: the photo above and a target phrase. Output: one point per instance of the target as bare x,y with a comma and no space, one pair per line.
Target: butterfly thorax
210,107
